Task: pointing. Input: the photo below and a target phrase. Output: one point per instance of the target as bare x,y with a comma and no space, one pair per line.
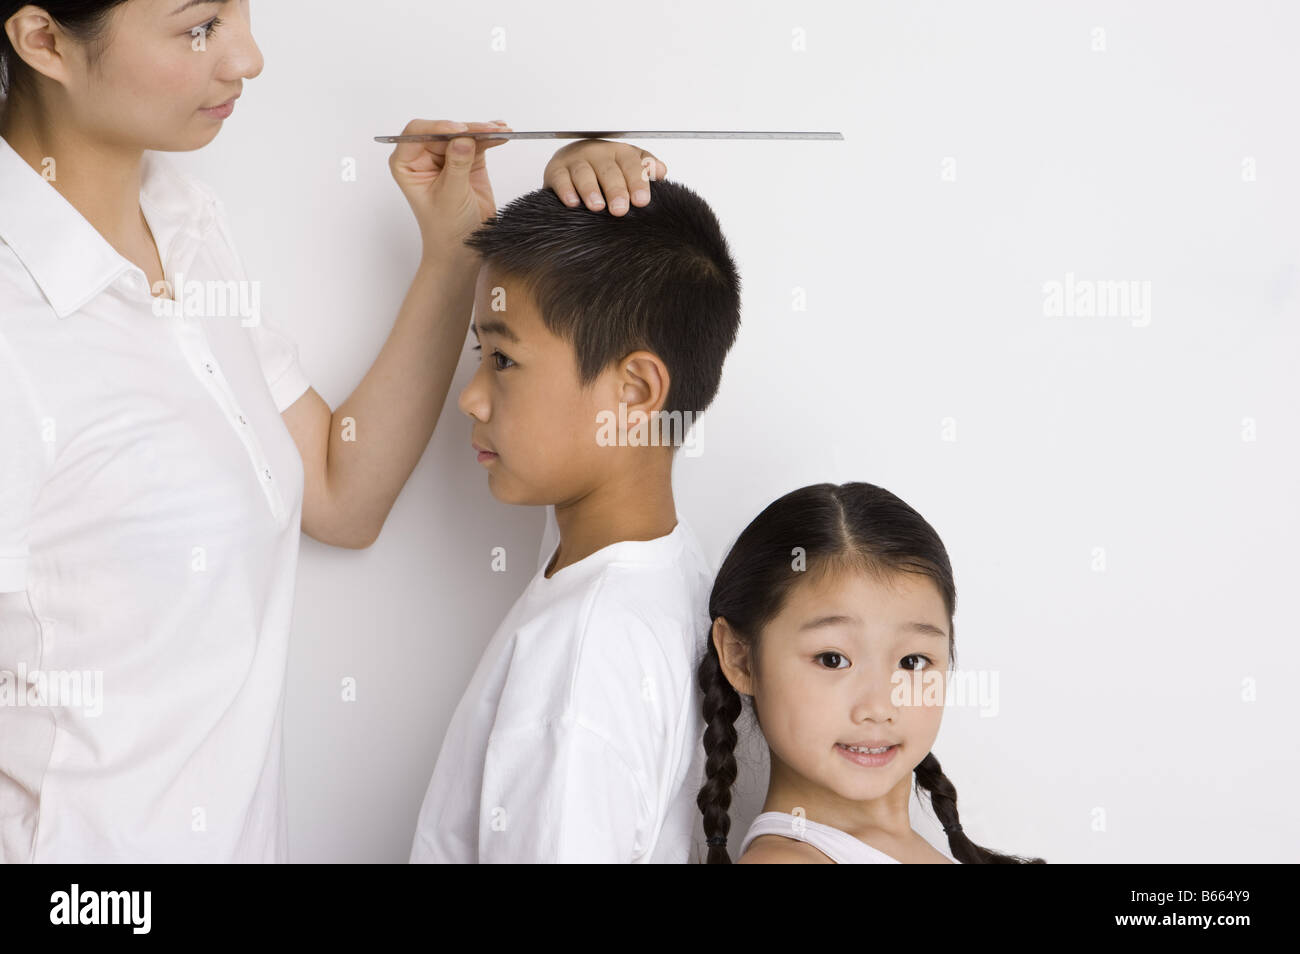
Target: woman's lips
220,112
866,758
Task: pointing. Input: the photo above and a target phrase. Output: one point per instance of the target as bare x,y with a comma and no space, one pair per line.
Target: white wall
1121,690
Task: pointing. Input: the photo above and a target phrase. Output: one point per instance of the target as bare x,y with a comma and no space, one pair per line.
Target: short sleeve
559,794
277,353
23,464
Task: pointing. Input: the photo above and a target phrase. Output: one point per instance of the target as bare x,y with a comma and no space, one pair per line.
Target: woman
156,466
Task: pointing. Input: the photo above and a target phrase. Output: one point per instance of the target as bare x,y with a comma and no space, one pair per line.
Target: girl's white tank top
839,846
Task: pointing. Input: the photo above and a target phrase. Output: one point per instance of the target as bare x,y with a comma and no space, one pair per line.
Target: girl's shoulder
780,850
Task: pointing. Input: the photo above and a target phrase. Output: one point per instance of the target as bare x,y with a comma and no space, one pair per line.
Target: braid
943,798
721,708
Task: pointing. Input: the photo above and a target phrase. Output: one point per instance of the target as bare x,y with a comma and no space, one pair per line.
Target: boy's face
526,405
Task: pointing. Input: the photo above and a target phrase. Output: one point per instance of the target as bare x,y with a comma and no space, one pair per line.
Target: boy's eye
928,662
837,658
499,356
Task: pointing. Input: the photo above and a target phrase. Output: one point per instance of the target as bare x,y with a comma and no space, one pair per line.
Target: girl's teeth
883,748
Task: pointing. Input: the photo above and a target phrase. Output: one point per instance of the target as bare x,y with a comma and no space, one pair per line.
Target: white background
1125,732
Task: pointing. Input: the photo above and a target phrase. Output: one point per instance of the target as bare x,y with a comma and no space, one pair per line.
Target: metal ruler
606,134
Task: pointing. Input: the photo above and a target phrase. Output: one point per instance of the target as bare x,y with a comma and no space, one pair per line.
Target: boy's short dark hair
658,278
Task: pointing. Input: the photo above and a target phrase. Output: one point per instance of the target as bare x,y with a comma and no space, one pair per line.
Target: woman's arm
357,458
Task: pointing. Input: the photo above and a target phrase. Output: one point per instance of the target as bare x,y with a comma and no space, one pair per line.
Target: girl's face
830,673
165,63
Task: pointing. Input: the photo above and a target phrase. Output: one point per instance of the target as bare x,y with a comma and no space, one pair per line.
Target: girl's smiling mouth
870,756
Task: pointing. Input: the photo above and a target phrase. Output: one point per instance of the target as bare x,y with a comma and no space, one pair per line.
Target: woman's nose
245,57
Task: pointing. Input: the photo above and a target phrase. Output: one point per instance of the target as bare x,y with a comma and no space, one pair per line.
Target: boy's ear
734,656
643,381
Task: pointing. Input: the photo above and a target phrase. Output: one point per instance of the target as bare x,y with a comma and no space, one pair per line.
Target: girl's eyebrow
925,629
495,327
835,620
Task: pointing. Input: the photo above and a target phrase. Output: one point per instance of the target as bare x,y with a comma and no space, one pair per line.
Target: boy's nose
471,402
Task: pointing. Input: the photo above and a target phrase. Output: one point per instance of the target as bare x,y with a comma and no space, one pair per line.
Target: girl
156,471
825,598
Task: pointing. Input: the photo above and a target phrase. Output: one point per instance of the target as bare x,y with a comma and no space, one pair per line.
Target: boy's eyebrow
495,327
923,628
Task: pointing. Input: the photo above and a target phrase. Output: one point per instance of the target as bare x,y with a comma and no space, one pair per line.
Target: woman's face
164,64
830,673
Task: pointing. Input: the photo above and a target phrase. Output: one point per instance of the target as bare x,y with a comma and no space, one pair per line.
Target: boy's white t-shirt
579,738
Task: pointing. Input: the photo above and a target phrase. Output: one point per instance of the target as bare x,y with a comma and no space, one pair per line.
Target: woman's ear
734,657
39,42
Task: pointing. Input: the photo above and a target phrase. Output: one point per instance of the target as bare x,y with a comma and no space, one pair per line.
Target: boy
579,736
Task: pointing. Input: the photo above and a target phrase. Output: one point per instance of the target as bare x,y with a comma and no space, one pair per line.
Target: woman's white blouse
150,505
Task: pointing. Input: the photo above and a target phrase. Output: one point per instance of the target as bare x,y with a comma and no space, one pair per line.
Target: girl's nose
874,699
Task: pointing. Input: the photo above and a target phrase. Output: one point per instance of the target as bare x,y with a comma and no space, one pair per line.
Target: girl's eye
837,657
926,659
498,355
208,28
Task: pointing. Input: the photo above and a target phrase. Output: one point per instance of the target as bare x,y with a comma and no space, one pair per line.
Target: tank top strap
839,846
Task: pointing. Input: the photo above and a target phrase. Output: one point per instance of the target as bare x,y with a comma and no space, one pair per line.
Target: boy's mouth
483,453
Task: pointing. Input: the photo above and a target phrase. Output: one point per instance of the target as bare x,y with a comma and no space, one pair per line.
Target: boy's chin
509,492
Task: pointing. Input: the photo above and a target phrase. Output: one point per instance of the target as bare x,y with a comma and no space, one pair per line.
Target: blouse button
208,365
266,472
242,419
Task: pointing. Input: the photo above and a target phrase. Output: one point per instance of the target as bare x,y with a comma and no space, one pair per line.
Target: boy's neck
611,514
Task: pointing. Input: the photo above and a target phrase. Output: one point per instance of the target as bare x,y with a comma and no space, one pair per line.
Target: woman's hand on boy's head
448,190
589,167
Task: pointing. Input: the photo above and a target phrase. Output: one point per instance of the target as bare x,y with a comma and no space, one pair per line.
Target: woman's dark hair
856,527
85,20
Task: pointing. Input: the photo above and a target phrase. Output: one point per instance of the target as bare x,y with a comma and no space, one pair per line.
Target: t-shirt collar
66,257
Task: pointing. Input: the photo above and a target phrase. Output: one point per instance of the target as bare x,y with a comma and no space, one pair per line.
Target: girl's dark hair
857,527
85,20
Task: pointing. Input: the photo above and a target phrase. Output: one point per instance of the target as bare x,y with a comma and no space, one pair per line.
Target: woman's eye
837,658
926,660
208,28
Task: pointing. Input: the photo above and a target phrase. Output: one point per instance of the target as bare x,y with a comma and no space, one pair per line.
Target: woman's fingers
614,183
635,175
422,156
587,184
562,185
499,125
